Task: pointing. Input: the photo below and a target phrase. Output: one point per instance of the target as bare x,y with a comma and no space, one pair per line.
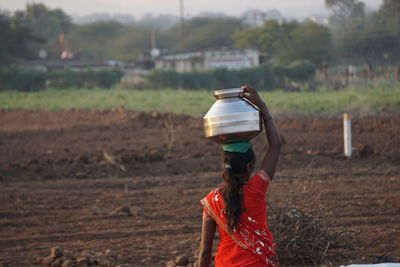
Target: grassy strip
362,101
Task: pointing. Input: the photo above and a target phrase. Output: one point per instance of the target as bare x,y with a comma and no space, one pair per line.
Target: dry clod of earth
86,253
147,259
170,263
383,259
364,151
67,263
85,258
56,252
105,263
97,211
82,158
48,261
181,260
92,261
57,262
110,254
82,261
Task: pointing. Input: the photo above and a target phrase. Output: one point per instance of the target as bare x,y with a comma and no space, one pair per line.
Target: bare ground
62,173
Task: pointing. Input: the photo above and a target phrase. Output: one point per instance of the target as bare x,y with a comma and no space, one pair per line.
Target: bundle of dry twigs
301,238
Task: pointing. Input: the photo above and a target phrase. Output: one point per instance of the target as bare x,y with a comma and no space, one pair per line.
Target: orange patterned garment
250,243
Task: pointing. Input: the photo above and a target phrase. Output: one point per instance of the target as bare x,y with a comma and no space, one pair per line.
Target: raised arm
274,139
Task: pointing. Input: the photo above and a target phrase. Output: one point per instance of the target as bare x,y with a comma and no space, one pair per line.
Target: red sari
250,243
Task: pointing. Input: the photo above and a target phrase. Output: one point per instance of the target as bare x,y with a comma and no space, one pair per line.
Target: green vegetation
265,76
22,79
24,32
25,79
370,100
354,36
203,33
289,41
362,37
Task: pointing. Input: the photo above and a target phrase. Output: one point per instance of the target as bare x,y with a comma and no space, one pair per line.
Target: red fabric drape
251,233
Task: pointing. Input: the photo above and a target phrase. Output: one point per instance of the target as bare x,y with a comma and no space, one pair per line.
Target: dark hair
235,174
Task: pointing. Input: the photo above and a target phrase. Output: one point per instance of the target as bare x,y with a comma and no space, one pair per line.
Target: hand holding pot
251,95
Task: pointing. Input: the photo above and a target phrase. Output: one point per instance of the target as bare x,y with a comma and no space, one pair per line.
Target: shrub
302,70
265,77
22,79
281,74
260,77
107,78
84,79
164,79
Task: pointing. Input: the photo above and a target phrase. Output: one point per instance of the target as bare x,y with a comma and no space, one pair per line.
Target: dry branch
112,160
301,238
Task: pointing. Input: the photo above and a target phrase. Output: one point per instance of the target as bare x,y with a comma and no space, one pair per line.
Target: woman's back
254,207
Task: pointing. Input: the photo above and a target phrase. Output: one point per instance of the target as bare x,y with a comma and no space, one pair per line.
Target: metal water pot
231,117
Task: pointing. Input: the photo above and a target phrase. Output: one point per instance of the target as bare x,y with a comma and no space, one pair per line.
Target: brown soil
63,173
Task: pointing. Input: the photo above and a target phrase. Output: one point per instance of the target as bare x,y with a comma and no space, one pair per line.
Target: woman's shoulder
259,181
216,190
263,175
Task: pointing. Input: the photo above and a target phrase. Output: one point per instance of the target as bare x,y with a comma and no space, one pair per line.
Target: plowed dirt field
62,174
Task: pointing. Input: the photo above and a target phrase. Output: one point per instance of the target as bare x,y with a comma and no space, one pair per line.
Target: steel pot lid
228,93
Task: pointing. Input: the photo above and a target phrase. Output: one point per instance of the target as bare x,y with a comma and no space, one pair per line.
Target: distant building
57,64
322,20
204,60
257,17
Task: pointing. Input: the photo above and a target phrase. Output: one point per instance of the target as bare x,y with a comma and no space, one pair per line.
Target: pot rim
228,93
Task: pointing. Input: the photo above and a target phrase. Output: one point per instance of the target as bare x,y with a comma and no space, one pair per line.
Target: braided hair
235,174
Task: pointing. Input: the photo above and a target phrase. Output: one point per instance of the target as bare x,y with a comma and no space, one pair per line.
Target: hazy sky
291,8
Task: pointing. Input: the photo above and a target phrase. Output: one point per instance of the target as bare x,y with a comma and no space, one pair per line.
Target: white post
347,135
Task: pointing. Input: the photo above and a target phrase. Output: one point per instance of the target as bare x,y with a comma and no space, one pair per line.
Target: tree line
353,36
